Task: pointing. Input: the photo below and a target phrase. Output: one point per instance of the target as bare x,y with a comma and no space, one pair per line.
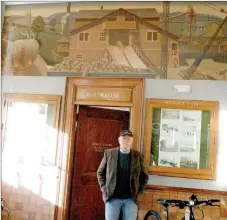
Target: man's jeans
113,208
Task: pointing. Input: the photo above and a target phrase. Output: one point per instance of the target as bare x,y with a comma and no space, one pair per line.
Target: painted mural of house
138,30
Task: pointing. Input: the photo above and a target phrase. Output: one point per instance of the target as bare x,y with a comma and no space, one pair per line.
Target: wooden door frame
116,92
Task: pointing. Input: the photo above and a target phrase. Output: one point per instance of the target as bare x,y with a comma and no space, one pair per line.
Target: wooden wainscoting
147,201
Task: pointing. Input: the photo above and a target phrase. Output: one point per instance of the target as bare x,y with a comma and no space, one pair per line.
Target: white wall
33,85
2,13
201,90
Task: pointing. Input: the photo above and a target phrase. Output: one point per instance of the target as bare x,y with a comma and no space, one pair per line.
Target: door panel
119,35
98,129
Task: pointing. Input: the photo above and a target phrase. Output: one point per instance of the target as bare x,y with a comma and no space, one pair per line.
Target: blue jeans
113,208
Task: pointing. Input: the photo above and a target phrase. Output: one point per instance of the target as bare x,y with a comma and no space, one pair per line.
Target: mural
165,40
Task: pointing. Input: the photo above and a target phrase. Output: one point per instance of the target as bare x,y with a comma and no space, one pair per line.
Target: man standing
122,175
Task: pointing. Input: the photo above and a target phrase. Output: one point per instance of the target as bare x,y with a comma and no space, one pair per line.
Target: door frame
115,92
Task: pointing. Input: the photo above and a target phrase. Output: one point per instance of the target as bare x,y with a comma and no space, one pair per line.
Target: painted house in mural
130,36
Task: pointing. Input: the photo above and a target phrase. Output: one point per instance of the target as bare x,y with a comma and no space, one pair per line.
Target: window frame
213,107
80,56
33,98
152,36
83,38
172,46
102,35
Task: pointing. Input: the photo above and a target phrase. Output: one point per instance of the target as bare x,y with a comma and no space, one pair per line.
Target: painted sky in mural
176,41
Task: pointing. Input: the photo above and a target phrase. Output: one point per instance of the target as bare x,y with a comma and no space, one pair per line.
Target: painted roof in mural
102,19
94,14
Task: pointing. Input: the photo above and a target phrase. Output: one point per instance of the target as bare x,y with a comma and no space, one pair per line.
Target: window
83,36
102,36
130,18
79,56
152,36
111,19
174,46
135,36
64,45
120,13
223,48
155,36
30,129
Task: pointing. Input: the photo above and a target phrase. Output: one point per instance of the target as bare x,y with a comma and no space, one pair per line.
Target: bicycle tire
152,213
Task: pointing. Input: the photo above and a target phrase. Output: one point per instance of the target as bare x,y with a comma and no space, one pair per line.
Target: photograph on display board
179,137
187,162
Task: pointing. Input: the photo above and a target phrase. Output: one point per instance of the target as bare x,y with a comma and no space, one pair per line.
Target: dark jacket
107,173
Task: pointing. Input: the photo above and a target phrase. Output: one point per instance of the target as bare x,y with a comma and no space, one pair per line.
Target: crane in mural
188,74
190,13
166,19
164,48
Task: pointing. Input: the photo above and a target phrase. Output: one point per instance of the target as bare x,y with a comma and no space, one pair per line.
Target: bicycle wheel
152,215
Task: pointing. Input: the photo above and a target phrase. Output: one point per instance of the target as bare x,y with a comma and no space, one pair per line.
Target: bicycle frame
189,217
188,205
189,214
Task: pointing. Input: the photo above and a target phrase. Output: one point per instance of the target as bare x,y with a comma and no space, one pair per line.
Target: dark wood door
119,35
98,129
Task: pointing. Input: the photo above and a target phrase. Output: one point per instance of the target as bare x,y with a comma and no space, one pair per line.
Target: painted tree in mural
53,24
38,25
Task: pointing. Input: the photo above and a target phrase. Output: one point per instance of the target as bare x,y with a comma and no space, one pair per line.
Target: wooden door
98,129
119,35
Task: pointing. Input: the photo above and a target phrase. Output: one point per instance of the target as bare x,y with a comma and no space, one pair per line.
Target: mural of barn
165,40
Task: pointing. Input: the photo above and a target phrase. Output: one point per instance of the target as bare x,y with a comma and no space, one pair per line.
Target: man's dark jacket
107,173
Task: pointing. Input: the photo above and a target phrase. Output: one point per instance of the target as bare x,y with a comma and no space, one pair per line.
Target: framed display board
181,138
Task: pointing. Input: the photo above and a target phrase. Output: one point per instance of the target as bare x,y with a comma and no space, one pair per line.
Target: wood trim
213,107
16,97
72,83
105,103
182,189
179,103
